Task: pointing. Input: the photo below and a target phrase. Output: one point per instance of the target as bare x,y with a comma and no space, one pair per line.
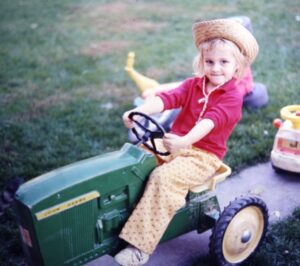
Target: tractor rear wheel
239,231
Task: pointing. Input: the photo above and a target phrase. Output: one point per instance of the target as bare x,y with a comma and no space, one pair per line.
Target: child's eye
224,61
210,62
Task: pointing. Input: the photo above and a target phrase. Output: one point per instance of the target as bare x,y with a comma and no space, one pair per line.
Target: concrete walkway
279,191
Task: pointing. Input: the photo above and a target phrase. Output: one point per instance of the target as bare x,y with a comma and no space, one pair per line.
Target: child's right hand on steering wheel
126,120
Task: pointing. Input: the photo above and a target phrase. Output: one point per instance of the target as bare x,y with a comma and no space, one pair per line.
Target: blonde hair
198,64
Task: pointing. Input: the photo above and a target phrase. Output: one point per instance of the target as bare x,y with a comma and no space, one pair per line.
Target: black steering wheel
148,134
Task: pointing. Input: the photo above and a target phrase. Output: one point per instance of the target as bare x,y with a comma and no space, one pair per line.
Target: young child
210,108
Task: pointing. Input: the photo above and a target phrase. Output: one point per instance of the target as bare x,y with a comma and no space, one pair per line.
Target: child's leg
164,194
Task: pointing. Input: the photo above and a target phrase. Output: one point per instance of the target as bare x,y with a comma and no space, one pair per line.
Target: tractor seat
219,176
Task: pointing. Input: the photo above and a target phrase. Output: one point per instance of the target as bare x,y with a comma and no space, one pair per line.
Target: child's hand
127,121
173,142
148,93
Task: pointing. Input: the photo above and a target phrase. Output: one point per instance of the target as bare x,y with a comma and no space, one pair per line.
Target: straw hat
229,30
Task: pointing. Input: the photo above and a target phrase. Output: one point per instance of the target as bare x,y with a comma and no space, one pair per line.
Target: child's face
219,64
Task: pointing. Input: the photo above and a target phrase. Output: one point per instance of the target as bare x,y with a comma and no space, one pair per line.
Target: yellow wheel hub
290,113
243,234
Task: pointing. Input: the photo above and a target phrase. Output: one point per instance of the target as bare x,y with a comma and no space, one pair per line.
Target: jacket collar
225,87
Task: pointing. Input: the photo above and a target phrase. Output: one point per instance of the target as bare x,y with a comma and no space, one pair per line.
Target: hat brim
229,30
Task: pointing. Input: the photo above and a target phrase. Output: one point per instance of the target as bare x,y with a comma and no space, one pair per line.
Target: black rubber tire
277,169
218,232
283,171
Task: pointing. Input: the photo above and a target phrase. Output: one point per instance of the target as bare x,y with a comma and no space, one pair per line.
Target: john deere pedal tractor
73,214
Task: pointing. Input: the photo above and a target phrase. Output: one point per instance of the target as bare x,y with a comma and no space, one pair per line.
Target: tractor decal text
67,205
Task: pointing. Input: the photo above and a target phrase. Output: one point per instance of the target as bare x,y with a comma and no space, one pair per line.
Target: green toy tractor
73,214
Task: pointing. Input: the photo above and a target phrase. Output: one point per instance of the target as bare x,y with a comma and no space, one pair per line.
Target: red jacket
224,108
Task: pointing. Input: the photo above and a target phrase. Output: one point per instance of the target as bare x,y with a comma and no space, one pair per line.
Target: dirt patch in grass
114,9
127,24
135,25
35,105
105,47
125,19
107,91
160,73
119,8
38,106
211,9
126,16
52,100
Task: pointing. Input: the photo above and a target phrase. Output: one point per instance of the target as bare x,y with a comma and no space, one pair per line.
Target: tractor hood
78,173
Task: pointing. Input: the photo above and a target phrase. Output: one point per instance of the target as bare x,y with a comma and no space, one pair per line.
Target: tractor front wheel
239,231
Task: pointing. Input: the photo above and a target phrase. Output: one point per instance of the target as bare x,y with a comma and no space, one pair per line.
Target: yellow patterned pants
165,193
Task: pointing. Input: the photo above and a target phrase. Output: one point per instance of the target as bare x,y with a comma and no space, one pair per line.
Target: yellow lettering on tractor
67,205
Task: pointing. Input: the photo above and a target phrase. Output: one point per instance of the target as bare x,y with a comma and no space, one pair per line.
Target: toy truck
285,154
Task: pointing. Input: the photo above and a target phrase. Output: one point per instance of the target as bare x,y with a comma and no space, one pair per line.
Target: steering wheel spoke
153,143
140,125
157,135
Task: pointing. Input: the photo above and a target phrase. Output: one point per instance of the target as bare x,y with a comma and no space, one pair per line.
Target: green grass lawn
63,87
